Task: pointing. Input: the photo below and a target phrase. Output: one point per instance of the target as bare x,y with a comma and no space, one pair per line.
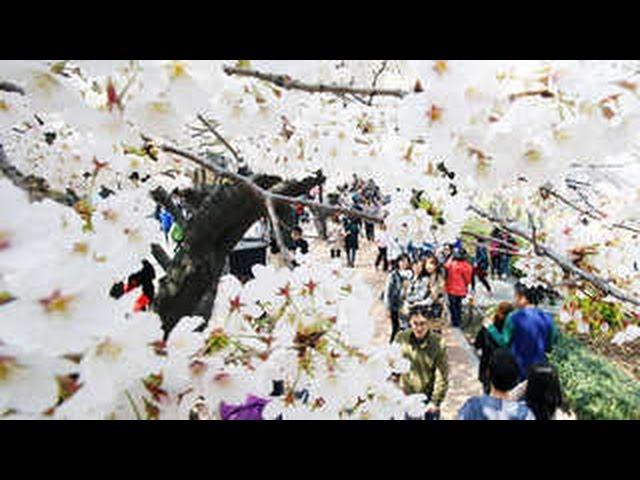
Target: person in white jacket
335,236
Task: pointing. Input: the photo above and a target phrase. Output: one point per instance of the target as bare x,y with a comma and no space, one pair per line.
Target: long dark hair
544,394
430,256
395,264
534,295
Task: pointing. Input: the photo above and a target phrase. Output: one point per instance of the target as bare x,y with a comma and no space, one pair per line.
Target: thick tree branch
568,266
160,196
161,256
288,83
11,87
275,224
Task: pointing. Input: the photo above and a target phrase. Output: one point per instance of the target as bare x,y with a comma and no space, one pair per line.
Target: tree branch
568,266
161,256
36,187
288,83
376,77
160,196
278,232
507,247
594,213
228,146
261,193
11,87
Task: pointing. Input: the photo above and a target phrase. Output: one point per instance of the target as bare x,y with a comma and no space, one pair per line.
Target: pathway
463,363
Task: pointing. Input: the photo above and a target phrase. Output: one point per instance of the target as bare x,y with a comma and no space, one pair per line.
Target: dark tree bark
225,213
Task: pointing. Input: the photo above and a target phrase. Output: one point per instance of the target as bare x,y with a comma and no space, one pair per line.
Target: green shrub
595,388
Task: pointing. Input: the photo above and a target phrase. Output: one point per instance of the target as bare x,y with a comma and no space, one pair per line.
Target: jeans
382,258
395,323
505,265
369,229
335,253
482,276
351,256
455,308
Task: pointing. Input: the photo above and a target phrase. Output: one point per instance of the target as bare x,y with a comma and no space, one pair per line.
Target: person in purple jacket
528,331
251,409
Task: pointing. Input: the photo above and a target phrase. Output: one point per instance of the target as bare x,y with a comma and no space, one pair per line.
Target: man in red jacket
459,275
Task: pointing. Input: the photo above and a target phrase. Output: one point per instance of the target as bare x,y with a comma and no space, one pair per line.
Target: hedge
595,388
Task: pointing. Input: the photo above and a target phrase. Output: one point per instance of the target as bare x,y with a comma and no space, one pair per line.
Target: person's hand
432,408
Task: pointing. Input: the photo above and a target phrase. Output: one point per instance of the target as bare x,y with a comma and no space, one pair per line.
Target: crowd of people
426,286
518,381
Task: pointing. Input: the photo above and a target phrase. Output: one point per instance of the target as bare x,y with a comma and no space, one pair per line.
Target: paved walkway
463,364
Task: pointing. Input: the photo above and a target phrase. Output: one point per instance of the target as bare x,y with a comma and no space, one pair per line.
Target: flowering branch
568,266
547,190
223,140
595,214
288,83
262,193
36,187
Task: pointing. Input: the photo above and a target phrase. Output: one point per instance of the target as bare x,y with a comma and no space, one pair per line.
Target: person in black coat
352,231
487,345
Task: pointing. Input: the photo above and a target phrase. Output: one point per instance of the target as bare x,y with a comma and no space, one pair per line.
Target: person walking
352,230
510,248
394,293
335,237
369,227
436,289
487,345
497,405
481,267
459,273
429,369
495,249
382,242
298,246
542,392
528,331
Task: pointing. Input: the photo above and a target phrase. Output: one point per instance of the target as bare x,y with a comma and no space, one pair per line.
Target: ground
463,363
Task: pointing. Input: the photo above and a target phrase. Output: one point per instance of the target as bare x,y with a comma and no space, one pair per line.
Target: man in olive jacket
426,351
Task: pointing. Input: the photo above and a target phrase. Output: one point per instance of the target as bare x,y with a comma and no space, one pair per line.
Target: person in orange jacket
459,277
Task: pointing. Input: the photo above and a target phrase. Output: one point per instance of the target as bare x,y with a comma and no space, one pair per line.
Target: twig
278,233
594,213
288,83
210,128
568,266
376,77
548,190
508,247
